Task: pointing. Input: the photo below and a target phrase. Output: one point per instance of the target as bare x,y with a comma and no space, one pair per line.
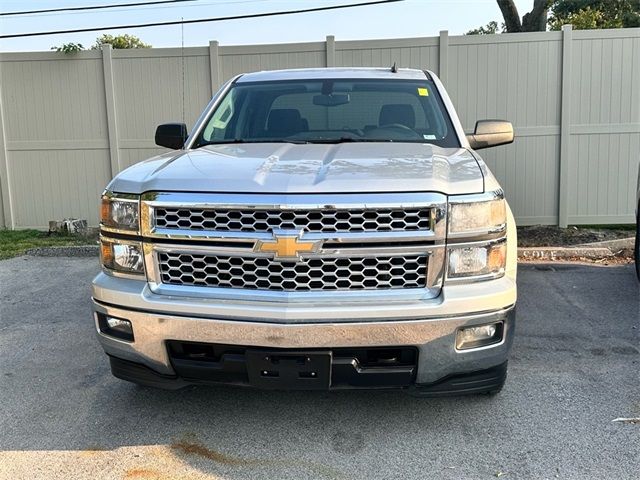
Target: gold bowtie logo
286,247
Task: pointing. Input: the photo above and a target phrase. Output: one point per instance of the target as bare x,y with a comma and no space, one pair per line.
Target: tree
582,14
120,41
117,41
69,47
489,29
585,19
595,14
534,21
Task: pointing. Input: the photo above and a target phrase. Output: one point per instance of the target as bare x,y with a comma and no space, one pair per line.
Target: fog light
123,326
115,327
480,336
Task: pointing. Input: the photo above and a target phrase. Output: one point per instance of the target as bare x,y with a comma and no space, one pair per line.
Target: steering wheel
397,127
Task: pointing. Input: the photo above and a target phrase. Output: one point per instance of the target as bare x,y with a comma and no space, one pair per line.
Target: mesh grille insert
311,274
326,220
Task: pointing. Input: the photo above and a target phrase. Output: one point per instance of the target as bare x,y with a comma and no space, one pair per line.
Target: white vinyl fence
68,123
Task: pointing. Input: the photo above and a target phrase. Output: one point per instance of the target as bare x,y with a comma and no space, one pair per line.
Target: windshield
330,111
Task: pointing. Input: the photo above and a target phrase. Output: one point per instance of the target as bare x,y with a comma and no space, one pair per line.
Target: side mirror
171,135
490,133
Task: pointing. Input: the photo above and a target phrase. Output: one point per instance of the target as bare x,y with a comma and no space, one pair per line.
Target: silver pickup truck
317,229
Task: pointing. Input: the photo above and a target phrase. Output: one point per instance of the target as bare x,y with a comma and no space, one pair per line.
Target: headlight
120,212
122,256
476,218
484,260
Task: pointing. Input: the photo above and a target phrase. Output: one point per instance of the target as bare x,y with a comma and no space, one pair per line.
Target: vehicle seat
401,113
285,122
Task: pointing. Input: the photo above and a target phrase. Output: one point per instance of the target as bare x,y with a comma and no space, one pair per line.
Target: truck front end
310,264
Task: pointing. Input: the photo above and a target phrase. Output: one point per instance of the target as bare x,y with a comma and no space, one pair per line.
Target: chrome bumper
454,301
434,338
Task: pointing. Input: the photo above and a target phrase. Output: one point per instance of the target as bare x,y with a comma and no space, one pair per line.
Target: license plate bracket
295,370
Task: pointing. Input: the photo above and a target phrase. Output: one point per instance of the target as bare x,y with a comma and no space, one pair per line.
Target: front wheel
636,253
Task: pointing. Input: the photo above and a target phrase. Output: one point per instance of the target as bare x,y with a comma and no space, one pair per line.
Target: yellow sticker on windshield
423,92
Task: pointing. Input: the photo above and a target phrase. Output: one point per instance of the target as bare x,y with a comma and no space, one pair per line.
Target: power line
92,7
199,20
142,7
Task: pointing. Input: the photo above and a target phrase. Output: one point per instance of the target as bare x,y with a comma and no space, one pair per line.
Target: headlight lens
477,260
477,217
120,212
126,257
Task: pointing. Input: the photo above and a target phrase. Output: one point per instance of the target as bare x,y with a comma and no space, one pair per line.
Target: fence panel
516,79
419,53
55,131
252,58
605,127
149,88
70,122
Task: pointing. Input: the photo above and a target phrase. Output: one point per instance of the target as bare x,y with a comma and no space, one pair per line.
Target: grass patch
14,243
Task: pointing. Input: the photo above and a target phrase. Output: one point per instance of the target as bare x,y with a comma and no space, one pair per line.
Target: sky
410,18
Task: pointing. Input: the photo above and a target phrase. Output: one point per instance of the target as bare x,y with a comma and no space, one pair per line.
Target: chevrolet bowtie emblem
287,247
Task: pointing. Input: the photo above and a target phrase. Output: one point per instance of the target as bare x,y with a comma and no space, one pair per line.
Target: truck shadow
238,433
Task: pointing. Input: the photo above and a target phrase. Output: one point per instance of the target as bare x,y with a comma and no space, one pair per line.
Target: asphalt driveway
573,370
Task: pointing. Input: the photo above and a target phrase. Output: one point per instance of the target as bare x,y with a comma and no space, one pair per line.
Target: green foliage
595,14
116,41
489,29
582,14
69,48
585,19
120,41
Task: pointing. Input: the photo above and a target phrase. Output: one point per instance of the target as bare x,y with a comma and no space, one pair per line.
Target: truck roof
322,73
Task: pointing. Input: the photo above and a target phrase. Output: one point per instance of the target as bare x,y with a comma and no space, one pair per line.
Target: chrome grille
308,220
310,274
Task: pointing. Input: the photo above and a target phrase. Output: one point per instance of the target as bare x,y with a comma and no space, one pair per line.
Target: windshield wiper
241,140
347,140
298,142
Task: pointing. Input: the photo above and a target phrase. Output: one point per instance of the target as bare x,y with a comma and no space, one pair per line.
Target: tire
636,252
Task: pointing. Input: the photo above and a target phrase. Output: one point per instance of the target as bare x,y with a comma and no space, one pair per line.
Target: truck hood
307,168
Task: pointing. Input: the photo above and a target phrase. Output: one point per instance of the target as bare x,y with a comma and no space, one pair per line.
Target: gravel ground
547,235
573,370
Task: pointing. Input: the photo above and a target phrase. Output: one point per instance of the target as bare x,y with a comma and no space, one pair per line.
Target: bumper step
485,381
143,375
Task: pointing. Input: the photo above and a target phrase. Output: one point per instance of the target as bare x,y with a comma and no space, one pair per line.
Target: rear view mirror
171,135
491,133
331,100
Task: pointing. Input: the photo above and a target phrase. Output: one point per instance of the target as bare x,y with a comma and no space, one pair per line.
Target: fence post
331,51
5,185
110,99
214,66
565,129
443,56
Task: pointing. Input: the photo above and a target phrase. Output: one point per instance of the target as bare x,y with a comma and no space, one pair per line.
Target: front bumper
434,339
